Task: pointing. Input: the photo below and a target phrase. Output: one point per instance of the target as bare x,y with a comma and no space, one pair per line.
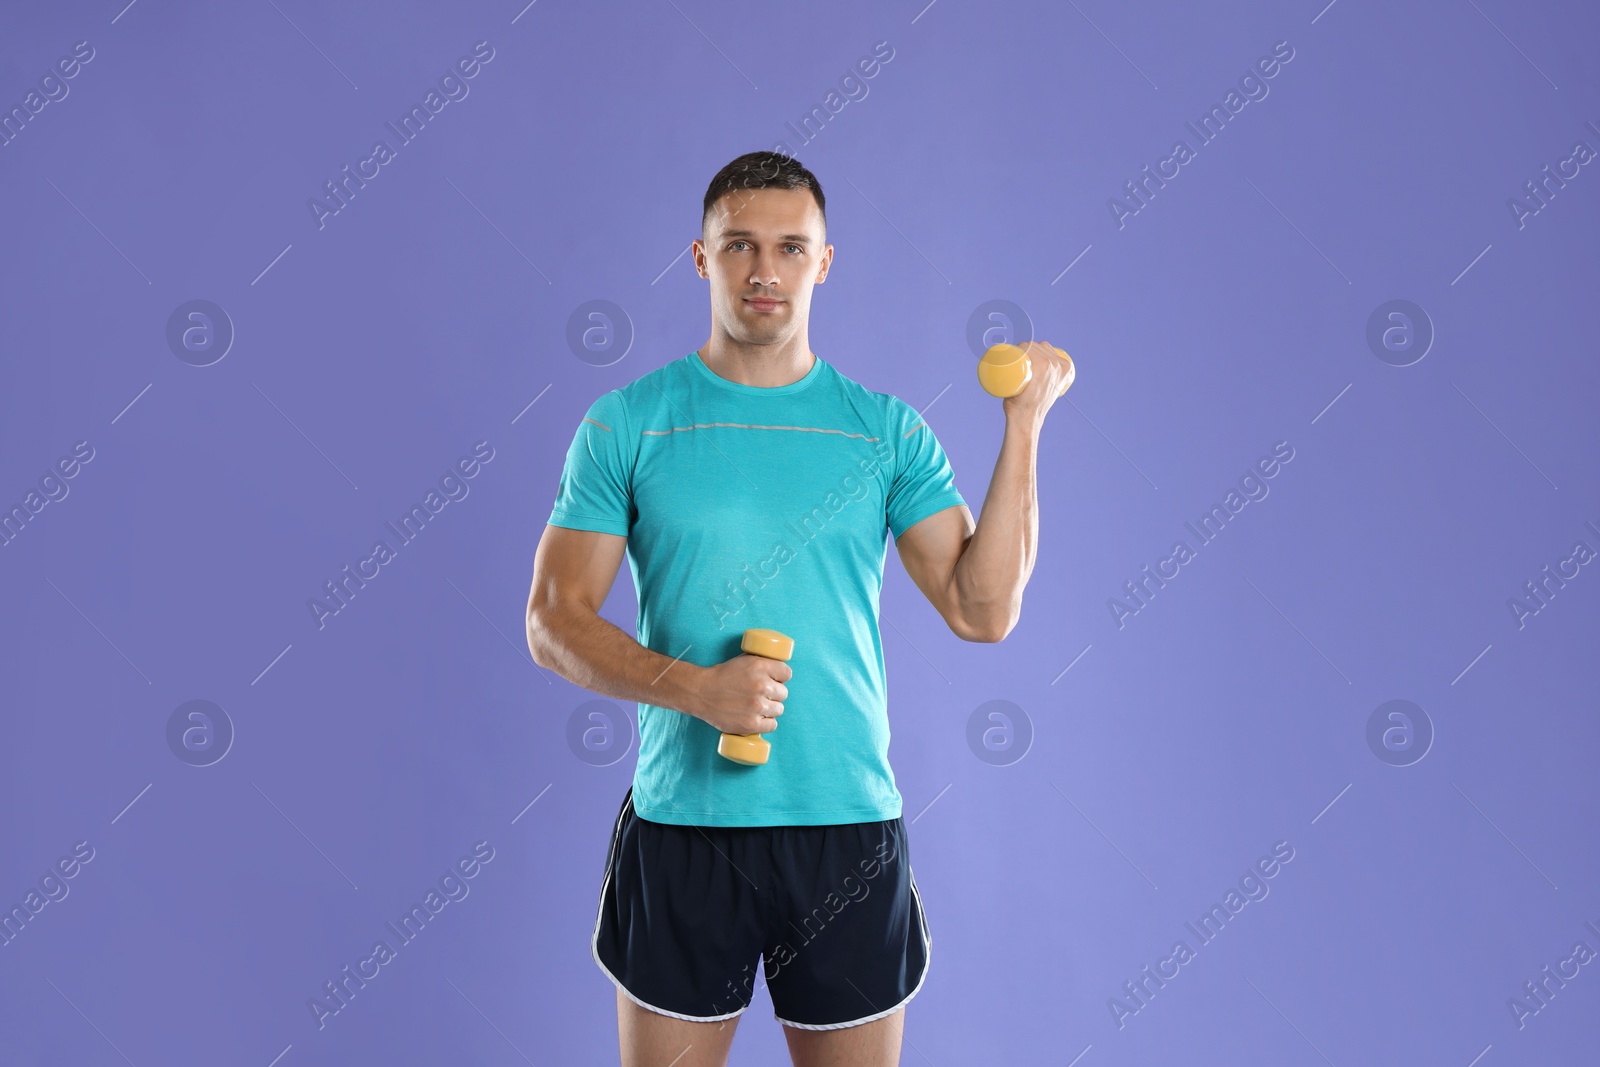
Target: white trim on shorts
927,961
594,939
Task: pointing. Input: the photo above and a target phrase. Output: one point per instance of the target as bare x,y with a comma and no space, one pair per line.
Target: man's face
763,251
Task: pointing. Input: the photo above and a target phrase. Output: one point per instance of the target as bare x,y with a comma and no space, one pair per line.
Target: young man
751,485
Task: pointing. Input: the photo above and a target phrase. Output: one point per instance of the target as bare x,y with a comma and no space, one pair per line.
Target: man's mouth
763,303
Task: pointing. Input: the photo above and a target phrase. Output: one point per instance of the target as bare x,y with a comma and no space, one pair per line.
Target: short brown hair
763,170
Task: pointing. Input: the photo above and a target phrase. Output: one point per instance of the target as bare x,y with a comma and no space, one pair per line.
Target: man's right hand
744,695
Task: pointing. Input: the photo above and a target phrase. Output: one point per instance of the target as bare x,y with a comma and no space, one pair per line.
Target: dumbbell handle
753,749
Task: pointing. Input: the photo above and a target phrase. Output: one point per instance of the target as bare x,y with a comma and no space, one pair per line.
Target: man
751,485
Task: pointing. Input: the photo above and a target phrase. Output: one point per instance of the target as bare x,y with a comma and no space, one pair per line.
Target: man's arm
573,571
974,574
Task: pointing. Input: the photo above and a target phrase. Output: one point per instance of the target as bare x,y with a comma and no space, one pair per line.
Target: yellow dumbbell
753,749
1005,370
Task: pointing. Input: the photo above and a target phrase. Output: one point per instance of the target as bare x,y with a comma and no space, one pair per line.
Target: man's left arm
974,573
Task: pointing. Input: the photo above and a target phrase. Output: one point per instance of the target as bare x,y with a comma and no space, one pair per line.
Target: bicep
574,567
930,549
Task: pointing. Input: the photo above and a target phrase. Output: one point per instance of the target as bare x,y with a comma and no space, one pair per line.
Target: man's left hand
1052,376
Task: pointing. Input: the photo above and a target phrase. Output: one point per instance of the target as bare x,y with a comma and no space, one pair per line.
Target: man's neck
763,366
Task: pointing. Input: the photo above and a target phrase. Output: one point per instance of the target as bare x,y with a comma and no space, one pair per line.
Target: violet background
370,354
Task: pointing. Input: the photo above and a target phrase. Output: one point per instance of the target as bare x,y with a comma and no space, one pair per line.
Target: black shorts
833,912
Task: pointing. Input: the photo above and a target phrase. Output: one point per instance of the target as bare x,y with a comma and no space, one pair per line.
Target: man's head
763,233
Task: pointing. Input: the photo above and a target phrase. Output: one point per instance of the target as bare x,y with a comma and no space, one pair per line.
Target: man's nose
764,271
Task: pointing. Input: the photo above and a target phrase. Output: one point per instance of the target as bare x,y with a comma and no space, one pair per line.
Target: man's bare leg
650,1039
874,1044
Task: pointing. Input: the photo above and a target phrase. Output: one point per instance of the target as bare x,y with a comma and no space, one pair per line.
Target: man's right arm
573,571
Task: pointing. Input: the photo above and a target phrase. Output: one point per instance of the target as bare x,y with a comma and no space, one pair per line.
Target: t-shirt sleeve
596,491
923,482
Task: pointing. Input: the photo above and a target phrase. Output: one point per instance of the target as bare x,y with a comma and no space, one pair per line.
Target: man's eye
795,247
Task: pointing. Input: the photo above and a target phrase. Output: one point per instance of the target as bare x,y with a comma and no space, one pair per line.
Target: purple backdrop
241,345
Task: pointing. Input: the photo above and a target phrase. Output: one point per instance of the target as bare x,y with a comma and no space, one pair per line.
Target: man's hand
1052,376
743,695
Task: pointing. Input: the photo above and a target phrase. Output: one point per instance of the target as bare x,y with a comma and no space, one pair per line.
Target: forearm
591,653
994,568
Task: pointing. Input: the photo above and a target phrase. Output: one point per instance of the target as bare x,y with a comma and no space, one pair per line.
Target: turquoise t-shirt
746,507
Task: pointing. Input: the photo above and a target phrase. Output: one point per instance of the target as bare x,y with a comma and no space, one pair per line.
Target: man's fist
1053,374
744,695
